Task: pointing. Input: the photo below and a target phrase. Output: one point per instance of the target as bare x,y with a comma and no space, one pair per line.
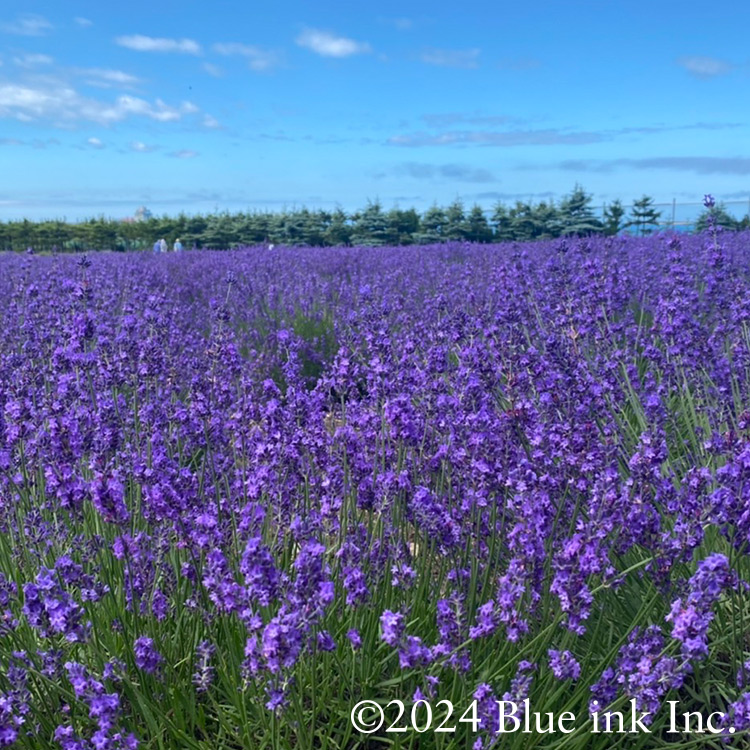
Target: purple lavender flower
564,665
325,641
147,658
355,639
282,641
392,625
204,670
690,617
261,576
739,713
413,653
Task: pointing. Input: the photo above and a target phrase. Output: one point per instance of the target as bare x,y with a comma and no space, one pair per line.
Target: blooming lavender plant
281,482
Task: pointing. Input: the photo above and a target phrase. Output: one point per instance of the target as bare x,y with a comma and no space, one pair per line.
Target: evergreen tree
432,226
403,226
522,221
371,226
546,221
716,216
576,215
217,235
614,214
455,221
477,226
643,216
501,223
339,230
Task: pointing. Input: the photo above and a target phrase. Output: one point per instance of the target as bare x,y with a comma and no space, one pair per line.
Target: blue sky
242,105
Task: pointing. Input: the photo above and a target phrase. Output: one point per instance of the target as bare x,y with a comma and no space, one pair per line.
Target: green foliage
434,223
501,223
477,227
576,215
643,216
339,229
718,217
455,221
614,214
371,226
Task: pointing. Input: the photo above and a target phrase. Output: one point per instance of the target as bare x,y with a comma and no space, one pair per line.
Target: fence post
674,208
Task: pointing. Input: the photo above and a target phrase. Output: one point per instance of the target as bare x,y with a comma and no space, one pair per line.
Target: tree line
372,226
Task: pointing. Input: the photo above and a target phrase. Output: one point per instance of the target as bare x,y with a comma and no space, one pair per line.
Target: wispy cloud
326,44
259,59
213,70
83,22
400,24
27,25
456,172
652,129
527,137
451,58
209,121
519,63
704,165
142,148
32,60
705,67
36,143
496,196
447,119
61,105
184,153
96,143
549,137
107,78
143,43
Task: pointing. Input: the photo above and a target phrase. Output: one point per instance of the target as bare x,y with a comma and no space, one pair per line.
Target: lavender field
241,492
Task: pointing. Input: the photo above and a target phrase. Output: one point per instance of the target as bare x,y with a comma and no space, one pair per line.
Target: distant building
142,214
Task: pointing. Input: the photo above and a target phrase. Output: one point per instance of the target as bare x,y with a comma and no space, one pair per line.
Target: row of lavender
240,492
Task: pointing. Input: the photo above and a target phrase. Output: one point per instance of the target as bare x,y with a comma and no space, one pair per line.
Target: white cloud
258,59
61,104
27,25
143,43
95,142
185,153
455,172
37,143
141,147
209,121
213,70
511,138
330,45
451,58
705,67
107,78
32,60
83,22
402,24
